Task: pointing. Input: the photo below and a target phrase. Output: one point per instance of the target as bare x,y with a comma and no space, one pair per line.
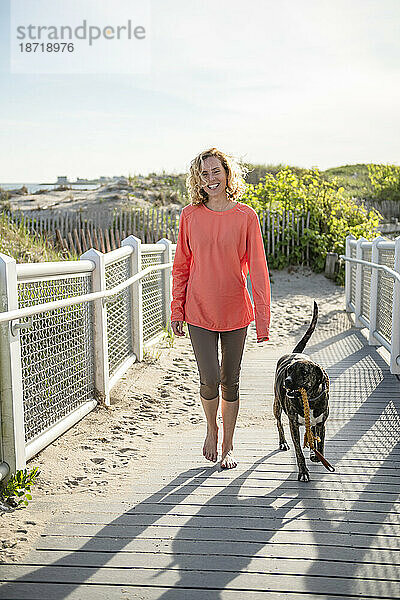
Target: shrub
17,491
18,242
385,180
333,215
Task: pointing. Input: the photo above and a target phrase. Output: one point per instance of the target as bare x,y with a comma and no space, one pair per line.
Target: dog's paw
283,446
304,475
314,458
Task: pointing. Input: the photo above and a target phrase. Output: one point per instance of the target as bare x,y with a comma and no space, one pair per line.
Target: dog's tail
303,342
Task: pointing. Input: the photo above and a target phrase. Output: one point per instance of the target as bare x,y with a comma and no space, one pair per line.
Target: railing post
357,301
11,392
136,296
347,267
373,298
166,275
100,338
395,345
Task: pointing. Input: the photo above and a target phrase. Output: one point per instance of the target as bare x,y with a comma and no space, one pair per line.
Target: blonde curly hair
235,173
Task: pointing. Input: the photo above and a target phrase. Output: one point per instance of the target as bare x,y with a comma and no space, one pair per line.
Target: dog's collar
294,392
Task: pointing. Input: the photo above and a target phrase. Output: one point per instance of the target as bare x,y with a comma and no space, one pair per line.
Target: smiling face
214,177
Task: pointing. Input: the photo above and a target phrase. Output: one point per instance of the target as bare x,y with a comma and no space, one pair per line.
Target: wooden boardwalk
190,531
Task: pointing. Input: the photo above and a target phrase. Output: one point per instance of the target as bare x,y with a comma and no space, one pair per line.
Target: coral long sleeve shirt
214,253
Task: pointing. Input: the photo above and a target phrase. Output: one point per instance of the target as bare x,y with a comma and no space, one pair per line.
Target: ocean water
34,187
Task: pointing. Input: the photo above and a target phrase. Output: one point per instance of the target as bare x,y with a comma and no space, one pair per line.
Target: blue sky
301,82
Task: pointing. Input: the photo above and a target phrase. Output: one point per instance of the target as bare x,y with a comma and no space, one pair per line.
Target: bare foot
228,460
210,445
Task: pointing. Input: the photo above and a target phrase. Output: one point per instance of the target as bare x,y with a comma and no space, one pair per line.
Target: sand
109,449
145,192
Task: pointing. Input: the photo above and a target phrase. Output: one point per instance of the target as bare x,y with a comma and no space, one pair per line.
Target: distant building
61,179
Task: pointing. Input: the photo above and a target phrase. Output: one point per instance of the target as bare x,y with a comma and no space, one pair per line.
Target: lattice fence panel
56,352
153,301
119,321
353,271
366,283
385,295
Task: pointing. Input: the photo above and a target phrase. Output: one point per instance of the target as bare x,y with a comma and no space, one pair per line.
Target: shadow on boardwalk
383,433
211,552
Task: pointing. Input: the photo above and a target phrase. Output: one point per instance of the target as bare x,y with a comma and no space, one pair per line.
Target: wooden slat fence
388,208
76,232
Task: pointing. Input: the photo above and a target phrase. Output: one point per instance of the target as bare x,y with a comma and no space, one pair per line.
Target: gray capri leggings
212,374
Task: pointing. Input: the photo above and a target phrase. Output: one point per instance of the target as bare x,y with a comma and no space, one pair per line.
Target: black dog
295,371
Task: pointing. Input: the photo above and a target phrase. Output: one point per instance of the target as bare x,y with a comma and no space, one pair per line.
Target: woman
219,242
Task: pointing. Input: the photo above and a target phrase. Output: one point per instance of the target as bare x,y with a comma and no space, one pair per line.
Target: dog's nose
288,382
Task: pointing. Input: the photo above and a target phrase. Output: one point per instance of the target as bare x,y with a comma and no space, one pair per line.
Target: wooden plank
214,580
287,467
23,591
280,471
247,460
84,242
346,458
102,244
196,499
256,482
112,238
282,540
74,241
248,528
242,516
266,445
51,545
59,239
291,484
310,501
243,508
213,562
70,242
96,240
317,471
338,535
89,238
107,239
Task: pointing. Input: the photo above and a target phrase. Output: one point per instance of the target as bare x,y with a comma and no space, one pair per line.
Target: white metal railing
88,321
373,291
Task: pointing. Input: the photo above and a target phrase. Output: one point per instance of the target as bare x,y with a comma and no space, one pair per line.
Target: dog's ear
323,377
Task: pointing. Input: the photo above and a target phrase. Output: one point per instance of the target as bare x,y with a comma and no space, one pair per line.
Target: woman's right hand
177,328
